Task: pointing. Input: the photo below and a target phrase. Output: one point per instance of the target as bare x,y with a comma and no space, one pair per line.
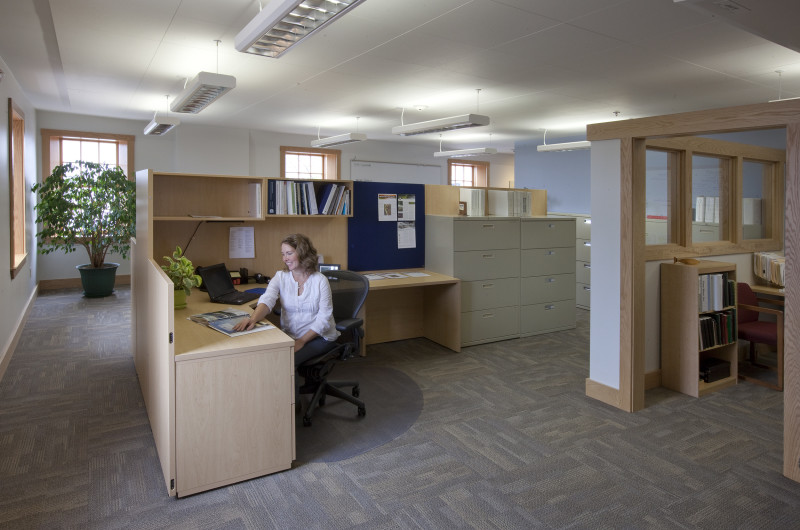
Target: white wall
228,151
15,293
604,342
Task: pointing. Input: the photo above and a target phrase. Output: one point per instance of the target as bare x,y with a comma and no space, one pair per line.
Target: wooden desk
221,408
777,292
234,402
420,306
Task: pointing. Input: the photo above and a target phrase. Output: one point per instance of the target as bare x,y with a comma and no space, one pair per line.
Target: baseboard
652,380
602,392
75,283
8,349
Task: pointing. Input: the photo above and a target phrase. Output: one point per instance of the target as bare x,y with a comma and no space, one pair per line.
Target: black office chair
349,290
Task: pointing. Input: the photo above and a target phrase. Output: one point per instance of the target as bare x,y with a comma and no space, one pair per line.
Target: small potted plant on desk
90,205
181,271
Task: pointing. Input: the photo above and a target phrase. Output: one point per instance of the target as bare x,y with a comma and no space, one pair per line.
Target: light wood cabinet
221,409
681,351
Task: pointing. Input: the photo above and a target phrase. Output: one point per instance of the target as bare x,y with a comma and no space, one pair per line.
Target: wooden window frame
682,245
332,168
51,148
16,188
480,172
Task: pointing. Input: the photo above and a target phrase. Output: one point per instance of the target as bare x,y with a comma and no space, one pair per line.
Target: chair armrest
349,323
760,309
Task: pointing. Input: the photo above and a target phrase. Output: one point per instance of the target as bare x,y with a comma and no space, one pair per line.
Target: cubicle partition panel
387,229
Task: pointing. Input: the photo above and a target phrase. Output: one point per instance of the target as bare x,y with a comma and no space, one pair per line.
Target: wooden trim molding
759,116
601,392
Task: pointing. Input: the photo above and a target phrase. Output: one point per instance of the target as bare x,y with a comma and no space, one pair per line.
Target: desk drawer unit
487,294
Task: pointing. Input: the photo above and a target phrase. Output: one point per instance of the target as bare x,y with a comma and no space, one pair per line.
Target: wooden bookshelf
443,200
680,328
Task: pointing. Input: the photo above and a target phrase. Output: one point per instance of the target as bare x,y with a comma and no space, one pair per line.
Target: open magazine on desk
226,319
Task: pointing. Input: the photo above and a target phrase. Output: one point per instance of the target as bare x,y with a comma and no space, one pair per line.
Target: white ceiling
540,65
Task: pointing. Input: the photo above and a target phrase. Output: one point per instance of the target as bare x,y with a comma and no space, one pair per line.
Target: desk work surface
768,289
420,303
193,339
392,279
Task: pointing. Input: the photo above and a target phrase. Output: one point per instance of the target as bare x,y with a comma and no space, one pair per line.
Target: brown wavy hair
306,253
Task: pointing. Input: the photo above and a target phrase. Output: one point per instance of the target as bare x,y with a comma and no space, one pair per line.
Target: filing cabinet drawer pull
587,243
487,315
549,307
551,280
587,266
488,286
551,225
587,221
489,226
551,252
488,256
587,288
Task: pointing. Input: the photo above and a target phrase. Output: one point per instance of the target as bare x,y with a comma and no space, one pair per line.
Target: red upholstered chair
753,330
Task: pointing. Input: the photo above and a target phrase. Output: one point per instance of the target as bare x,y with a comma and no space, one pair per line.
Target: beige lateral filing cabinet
492,256
483,252
583,258
548,275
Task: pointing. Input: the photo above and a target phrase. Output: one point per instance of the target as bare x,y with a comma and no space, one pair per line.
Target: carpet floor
505,438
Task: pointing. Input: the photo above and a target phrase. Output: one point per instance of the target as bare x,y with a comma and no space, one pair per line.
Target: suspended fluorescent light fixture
459,153
443,124
341,139
161,124
565,146
284,23
202,91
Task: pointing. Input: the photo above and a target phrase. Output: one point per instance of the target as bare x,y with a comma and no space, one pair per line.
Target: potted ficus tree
89,205
180,270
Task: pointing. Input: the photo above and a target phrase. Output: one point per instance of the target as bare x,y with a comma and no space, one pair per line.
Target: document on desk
417,274
225,320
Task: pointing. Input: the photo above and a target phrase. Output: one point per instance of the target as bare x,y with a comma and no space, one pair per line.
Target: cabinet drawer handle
488,286
550,280
587,243
551,225
587,266
487,315
488,256
587,221
587,288
549,307
489,226
551,253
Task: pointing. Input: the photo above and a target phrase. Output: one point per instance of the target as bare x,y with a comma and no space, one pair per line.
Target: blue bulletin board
373,244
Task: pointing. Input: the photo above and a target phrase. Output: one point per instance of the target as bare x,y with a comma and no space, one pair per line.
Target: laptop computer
217,281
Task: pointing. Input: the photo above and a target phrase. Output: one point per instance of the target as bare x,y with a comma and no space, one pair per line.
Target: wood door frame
632,133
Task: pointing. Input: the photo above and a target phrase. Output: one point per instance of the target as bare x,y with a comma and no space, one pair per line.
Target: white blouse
311,310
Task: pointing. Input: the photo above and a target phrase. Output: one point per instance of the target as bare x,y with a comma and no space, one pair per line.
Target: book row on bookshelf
289,197
717,329
715,292
770,267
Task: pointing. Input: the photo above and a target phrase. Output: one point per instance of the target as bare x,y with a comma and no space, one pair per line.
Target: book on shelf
226,319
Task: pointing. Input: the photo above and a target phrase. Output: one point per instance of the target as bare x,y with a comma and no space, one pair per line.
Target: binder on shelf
271,197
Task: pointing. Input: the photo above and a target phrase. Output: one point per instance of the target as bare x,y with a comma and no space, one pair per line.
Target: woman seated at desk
306,303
